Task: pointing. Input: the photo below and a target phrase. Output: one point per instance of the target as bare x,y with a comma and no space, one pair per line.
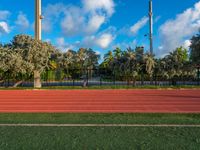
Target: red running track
100,101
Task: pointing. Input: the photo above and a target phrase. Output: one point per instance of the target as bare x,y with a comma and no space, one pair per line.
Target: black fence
95,77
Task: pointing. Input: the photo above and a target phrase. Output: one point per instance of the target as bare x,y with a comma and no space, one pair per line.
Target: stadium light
38,36
151,26
38,20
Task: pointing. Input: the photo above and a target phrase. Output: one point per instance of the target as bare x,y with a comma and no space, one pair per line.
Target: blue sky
103,24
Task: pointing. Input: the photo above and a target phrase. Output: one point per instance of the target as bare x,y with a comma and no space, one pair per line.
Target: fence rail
95,77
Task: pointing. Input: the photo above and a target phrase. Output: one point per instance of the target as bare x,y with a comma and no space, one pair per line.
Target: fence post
99,73
142,78
100,81
87,84
198,74
8,79
114,79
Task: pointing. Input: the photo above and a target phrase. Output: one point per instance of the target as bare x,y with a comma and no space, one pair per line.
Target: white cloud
4,28
173,33
98,52
104,40
88,41
160,47
125,44
102,6
60,42
62,45
52,13
4,14
95,23
73,22
78,20
187,44
22,22
140,24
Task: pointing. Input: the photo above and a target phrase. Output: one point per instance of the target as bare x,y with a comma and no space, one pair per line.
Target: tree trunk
17,84
37,80
134,82
85,83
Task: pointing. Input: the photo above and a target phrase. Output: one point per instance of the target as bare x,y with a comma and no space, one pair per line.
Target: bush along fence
96,77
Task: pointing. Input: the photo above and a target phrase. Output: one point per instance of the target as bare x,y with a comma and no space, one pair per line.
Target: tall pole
151,26
38,19
38,36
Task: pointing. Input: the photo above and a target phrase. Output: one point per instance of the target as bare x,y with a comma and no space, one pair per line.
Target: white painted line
97,125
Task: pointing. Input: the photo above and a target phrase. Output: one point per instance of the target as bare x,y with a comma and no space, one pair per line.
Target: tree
150,64
66,60
92,59
12,64
35,53
117,53
130,64
195,49
195,53
86,59
139,52
116,65
108,60
173,64
80,58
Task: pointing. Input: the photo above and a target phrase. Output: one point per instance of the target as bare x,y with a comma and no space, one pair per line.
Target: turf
99,138
72,118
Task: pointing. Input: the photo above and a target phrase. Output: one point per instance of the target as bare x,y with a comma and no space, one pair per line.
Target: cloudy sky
103,24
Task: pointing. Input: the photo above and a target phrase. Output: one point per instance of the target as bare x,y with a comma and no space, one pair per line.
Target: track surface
101,101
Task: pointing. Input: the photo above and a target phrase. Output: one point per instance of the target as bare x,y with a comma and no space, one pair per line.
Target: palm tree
130,64
117,53
150,64
108,59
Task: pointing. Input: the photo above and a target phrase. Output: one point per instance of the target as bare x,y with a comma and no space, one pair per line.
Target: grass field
94,138
108,138
101,118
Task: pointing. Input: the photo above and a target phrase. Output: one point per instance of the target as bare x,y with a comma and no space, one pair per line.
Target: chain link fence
94,77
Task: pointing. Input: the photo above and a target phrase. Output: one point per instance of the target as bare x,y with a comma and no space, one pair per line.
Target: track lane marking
99,125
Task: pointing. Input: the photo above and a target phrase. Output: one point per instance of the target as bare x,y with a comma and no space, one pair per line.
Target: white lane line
97,125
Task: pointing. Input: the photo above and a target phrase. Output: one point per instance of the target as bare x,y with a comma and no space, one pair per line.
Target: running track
100,101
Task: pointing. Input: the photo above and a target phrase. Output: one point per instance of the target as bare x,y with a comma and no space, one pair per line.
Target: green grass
72,118
106,87
100,138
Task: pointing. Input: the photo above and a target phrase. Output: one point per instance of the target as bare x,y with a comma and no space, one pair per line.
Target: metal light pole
151,26
38,19
38,36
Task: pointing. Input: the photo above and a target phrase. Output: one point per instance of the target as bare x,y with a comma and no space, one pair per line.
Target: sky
104,25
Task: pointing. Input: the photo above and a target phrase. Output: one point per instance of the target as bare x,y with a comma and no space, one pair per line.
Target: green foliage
128,64
12,63
176,64
24,55
34,52
150,64
195,49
